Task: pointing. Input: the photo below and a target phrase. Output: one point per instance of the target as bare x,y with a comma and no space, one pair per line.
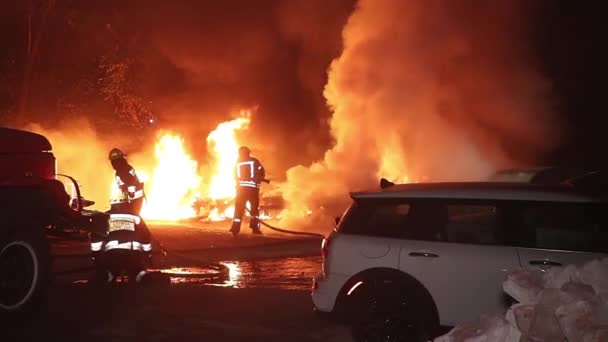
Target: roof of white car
483,191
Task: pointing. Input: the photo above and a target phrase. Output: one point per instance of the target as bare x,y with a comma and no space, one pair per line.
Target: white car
407,259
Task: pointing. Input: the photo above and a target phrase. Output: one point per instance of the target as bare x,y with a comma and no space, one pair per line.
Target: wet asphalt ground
210,286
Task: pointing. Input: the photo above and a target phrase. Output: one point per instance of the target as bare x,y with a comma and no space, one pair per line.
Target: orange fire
392,166
174,184
173,180
223,146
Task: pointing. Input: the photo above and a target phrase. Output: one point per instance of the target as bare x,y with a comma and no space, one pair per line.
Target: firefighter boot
255,226
235,228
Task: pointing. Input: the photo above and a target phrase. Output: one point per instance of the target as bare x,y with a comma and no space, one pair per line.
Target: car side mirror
76,198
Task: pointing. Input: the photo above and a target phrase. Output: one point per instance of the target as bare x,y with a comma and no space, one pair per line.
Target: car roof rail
385,183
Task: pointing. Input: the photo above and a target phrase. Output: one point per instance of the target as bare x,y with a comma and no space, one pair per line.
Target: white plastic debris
575,319
556,277
567,304
520,316
595,273
574,291
583,315
523,286
544,325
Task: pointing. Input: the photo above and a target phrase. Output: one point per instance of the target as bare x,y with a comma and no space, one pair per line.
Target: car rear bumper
325,290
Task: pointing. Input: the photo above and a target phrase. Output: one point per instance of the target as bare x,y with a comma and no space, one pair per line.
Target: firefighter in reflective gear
128,183
249,173
124,246
110,248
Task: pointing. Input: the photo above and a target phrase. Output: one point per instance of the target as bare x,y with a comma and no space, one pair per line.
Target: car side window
388,220
567,226
473,224
376,218
427,220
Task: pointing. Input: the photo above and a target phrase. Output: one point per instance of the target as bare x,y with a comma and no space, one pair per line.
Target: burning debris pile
177,187
563,304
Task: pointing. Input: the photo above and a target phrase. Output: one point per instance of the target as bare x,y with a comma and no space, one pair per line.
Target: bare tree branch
32,48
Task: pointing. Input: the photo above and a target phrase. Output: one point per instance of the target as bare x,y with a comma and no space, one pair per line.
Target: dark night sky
275,54
571,43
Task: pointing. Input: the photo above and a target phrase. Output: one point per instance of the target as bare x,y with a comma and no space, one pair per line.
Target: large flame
224,149
223,146
174,183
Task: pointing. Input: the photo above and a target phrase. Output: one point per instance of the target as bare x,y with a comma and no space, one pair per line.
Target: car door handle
423,254
545,263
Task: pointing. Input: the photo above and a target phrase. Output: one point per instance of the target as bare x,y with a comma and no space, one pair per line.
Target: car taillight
325,247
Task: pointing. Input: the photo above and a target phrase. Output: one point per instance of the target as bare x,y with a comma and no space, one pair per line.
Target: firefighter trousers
243,195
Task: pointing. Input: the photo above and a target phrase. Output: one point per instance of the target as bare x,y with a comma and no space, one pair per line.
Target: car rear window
567,226
374,218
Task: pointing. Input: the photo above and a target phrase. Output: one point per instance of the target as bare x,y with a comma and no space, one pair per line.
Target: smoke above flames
426,90
421,90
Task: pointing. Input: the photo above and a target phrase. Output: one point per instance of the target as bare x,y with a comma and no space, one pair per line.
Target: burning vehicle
180,188
271,205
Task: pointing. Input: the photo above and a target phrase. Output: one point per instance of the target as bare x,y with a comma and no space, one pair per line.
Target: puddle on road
287,273
194,275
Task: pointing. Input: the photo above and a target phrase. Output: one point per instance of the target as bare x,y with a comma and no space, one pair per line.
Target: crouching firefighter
125,249
249,173
124,245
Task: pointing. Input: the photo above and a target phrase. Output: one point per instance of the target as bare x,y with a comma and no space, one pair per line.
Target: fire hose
285,231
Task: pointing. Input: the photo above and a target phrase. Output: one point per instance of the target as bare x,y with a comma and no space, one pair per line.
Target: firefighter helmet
244,151
116,154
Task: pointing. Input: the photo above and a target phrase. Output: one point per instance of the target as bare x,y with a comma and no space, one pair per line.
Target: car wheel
24,271
386,311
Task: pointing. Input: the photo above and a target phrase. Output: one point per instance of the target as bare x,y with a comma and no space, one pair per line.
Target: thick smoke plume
426,91
187,64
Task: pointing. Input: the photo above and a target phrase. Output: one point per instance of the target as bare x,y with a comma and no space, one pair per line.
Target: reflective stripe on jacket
249,173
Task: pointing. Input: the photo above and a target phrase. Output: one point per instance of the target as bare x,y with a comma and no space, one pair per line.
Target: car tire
24,272
387,310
